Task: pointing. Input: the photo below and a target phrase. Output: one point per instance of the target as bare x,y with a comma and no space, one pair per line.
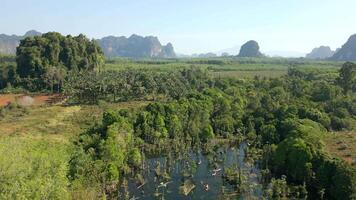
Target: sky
192,26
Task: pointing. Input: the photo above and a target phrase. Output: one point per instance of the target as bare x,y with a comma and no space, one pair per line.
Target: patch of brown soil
27,100
342,145
48,99
5,99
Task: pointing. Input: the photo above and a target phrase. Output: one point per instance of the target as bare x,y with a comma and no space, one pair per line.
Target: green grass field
35,145
225,67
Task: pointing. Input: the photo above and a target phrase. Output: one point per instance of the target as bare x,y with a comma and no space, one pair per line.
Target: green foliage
278,189
223,122
125,85
301,157
102,153
42,61
110,117
269,134
347,77
8,76
174,124
189,107
323,91
294,156
190,118
135,158
33,169
337,178
207,133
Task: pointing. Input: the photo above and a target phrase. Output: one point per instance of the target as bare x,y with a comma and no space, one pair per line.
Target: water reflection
196,175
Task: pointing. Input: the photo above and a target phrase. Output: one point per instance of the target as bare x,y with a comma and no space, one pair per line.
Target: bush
337,178
31,169
207,134
339,124
135,158
315,115
293,157
269,134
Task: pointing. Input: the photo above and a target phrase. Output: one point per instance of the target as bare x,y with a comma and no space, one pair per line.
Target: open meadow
227,67
36,142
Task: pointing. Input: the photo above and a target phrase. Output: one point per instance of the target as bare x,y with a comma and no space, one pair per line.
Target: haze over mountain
135,46
250,49
231,51
205,55
138,46
285,54
8,43
321,52
347,51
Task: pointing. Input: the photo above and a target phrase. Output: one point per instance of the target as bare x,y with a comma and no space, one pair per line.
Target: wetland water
200,175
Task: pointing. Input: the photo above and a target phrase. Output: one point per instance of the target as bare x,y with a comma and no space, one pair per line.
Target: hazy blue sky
192,26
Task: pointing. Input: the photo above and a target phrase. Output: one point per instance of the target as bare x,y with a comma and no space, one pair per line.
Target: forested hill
135,46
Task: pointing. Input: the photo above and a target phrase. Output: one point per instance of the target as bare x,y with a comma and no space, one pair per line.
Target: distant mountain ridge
8,43
347,51
136,46
321,52
285,54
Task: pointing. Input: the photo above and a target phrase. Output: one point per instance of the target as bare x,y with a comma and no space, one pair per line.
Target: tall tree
347,76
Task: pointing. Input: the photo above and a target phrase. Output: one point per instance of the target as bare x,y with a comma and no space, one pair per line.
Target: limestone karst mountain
135,46
250,49
8,43
347,51
321,52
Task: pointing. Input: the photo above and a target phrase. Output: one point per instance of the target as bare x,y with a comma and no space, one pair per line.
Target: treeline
130,84
43,62
326,99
